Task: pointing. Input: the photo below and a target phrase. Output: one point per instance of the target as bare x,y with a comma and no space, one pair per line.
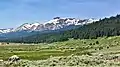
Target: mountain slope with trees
103,27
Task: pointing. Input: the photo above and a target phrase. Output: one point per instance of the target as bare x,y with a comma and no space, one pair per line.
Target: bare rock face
13,59
1,62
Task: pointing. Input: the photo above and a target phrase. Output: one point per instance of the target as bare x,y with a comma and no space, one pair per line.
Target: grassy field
108,46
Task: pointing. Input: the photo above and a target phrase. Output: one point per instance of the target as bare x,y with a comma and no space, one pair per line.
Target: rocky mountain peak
54,24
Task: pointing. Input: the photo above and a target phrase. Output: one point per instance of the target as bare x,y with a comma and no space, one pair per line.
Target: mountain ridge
54,24
103,28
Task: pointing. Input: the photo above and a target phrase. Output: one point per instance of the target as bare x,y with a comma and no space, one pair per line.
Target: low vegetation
99,52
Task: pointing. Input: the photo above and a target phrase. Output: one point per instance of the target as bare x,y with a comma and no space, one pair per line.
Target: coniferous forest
104,27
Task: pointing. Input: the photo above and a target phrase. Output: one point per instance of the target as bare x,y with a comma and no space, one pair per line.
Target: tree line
103,27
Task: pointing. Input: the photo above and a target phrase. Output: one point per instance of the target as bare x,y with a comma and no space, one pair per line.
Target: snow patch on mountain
6,30
54,24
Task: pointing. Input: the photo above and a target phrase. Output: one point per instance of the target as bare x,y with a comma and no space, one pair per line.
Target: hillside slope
105,27
56,24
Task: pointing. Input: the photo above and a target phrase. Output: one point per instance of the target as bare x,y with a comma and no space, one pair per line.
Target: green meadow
107,46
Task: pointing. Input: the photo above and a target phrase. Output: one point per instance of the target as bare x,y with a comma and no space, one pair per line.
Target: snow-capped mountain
56,23
6,30
28,26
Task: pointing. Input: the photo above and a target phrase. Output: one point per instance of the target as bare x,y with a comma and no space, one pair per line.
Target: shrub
97,42
100,48
84,42
71,48
53,64
86,62
117,43
90,44
107,47
93,43
87,53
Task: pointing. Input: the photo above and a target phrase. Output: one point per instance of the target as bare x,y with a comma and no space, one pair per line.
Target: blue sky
16,12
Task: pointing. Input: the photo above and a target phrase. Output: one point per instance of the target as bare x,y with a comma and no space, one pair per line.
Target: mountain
103,28
55,24
6,30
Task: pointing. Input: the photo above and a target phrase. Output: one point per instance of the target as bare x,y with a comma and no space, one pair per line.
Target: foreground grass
91,47
78,47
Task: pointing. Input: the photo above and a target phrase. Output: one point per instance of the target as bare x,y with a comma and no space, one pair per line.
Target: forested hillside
103,27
